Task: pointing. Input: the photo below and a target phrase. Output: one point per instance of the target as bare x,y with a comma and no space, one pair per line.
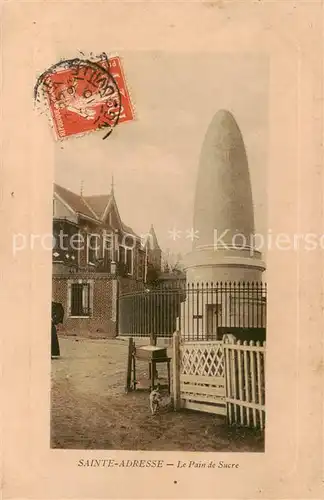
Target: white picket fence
223,377
245,382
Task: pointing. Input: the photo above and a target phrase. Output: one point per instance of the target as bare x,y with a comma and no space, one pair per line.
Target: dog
155,400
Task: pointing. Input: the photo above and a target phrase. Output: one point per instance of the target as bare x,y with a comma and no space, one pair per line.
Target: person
55,346
57,318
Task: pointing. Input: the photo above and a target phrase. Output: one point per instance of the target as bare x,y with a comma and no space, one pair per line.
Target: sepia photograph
159,293
162,206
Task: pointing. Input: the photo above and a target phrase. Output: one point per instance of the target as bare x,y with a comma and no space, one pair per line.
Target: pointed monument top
223,200
225,130
112,185
224,115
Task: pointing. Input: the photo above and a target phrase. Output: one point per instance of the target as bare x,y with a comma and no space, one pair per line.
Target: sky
154,159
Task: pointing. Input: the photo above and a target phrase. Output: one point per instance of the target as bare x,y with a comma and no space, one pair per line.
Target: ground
90,409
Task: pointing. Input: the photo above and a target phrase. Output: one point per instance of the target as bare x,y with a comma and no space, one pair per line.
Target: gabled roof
94,207
74,201
98,203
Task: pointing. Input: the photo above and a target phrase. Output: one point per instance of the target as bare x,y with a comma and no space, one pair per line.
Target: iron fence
201,311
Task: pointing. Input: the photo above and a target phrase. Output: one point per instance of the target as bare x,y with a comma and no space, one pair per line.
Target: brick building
95,257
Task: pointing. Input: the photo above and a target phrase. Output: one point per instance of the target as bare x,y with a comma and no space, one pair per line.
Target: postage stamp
114,66
84,95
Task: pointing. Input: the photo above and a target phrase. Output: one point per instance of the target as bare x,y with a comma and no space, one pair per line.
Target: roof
98,203
129,230
151,240
74,201
90,206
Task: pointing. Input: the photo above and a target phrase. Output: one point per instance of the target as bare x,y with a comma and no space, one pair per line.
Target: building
154,252
95,257
153,257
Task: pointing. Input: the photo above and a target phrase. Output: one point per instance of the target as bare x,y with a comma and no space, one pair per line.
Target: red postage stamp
116,70
85,96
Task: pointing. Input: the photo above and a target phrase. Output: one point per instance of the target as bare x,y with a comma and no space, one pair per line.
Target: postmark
83,95
115,67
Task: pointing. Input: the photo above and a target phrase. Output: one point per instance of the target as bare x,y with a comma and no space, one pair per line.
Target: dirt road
90,409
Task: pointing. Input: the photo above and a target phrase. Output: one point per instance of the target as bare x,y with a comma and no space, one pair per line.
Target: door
213,312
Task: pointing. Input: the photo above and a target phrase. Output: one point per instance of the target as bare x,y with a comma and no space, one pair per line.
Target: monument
224,223
223,211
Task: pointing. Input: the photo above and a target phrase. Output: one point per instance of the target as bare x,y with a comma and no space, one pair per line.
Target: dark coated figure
57,318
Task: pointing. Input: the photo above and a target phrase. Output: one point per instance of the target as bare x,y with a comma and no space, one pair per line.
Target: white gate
202,376
245,383
224,377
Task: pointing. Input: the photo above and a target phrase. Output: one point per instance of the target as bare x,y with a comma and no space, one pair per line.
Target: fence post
115,305
176,371
230,374
129,364
232,340
153,338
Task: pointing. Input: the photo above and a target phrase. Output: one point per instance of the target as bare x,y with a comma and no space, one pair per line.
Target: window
98,246
93,248
80,299
129,260
107,245
122,254
126,258
66,244
141,264
79,247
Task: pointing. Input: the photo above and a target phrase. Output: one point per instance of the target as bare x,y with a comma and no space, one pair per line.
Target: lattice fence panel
202,359
202,377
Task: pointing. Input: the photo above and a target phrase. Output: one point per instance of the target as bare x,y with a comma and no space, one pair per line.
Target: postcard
162,267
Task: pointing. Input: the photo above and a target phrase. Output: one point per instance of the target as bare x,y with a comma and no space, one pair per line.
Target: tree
152,275
171,262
